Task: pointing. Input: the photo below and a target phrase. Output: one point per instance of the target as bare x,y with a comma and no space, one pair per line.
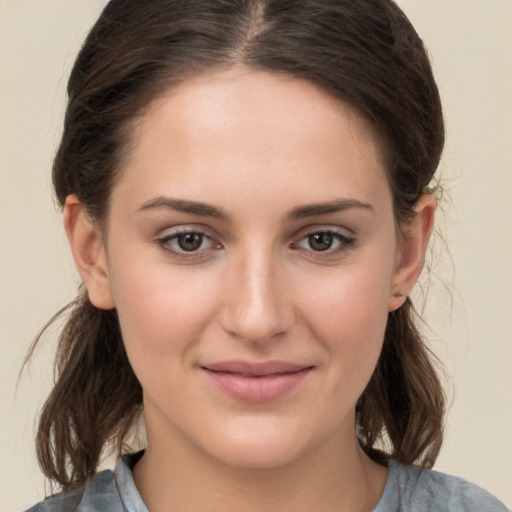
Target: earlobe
412,248
89,253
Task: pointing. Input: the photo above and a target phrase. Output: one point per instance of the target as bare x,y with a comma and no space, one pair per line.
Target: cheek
348,315
161,309
352,302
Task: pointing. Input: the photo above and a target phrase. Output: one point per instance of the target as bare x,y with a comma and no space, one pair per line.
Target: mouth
256,382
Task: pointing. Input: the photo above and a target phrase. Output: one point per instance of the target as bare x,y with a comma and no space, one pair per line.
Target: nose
256,306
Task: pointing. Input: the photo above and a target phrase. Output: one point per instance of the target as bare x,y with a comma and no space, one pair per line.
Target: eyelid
180,229
324,228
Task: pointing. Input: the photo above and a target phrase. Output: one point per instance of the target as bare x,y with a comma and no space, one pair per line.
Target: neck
337,476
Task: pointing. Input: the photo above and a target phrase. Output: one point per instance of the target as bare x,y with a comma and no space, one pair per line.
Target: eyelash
345,243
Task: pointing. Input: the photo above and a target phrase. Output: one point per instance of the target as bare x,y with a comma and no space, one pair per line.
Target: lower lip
257,389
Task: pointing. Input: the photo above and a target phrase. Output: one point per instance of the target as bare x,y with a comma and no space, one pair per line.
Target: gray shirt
408,488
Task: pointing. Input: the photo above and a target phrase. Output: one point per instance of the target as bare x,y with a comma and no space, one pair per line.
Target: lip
256,382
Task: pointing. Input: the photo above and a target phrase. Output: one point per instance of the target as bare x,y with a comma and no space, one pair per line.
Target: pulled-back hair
364,52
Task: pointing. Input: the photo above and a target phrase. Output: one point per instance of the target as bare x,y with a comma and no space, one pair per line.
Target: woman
245,187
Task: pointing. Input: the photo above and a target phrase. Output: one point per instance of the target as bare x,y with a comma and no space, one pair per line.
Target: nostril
256,330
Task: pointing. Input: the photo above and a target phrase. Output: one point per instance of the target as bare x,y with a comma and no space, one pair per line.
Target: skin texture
255,147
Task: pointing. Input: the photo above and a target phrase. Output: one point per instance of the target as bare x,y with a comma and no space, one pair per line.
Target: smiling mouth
256,383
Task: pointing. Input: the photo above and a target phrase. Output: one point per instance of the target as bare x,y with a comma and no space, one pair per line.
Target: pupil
320,241
190,241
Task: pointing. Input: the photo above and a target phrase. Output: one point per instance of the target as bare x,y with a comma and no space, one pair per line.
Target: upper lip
251,369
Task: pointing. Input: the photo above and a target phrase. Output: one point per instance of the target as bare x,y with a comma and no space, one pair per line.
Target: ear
88,252
411,250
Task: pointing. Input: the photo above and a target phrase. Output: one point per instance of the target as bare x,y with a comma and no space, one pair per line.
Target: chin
261,448
257,457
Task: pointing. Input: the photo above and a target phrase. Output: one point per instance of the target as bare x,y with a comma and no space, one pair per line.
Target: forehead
243,131
266,97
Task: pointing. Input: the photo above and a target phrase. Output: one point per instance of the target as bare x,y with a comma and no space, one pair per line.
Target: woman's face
252,258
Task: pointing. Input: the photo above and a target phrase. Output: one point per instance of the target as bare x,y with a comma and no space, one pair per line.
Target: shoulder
413,488
99,493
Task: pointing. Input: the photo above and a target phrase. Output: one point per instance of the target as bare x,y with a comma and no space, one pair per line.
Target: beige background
470,323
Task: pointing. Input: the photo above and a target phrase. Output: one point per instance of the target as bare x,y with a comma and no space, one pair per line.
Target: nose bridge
256,307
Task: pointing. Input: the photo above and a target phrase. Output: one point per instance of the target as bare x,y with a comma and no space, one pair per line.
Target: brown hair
365,52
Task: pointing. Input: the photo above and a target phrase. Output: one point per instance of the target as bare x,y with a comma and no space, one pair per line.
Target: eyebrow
208,210
185,206
340,205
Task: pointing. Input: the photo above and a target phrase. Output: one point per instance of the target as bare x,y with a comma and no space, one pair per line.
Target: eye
187,243
320,241
190,241
325,242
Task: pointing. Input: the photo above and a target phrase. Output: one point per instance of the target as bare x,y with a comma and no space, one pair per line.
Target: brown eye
320,241
193,245
189,241
329,242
